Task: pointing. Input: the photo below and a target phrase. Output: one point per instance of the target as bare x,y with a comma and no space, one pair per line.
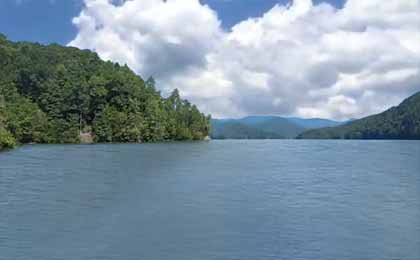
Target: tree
52,93
6,138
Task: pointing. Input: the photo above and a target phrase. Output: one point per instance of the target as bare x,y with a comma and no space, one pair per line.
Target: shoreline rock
86,138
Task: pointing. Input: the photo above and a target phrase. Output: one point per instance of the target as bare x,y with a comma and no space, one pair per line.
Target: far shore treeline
55,94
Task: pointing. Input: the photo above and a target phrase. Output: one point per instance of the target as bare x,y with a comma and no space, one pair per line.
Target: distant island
55,94
401,122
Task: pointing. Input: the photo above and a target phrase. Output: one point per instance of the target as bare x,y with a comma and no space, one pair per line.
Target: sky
50,21
332,59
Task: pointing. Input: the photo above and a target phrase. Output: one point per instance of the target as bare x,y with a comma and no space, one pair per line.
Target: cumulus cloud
298,59
156,37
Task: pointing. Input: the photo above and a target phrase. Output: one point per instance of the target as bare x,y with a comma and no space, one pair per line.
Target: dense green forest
401,122
55,94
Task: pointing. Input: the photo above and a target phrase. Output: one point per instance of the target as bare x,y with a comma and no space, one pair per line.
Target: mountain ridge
398,122
265,127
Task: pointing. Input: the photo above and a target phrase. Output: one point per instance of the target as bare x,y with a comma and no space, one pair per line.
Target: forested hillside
401,122
53,94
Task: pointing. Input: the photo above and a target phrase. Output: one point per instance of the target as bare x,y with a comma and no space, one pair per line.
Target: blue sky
338,60
49,21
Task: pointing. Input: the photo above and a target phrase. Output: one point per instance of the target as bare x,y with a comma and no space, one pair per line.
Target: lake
233,200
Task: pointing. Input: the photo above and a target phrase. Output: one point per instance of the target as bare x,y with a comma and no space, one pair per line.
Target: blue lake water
233,200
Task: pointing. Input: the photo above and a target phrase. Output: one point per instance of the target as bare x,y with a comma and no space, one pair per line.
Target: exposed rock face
86,137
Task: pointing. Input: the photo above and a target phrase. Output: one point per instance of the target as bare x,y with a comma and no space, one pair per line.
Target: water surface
233,200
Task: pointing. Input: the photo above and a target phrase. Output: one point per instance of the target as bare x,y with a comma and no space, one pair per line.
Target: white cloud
301,59
151,36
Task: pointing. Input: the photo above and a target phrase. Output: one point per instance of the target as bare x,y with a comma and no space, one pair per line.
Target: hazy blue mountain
281,126
401,122
252,120
313,123
232,129
265,127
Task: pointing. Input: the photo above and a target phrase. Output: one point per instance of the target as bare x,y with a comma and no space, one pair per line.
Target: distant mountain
401,122
253,120
264,127
314,123
233,129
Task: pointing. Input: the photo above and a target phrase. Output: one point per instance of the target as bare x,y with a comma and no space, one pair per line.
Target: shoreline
203,140
93,143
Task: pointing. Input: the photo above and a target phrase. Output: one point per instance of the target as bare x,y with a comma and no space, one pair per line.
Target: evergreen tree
50,94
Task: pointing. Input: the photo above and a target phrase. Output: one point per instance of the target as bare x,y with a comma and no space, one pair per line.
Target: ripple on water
268,199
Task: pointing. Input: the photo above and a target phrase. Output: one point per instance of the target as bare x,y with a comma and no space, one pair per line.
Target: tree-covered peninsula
401,122
55,94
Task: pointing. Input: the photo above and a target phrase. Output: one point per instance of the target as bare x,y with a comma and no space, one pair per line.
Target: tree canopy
52,94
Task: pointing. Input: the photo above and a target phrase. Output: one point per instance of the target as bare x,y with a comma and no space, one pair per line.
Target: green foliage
402,122
52,94
25,121
6,139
